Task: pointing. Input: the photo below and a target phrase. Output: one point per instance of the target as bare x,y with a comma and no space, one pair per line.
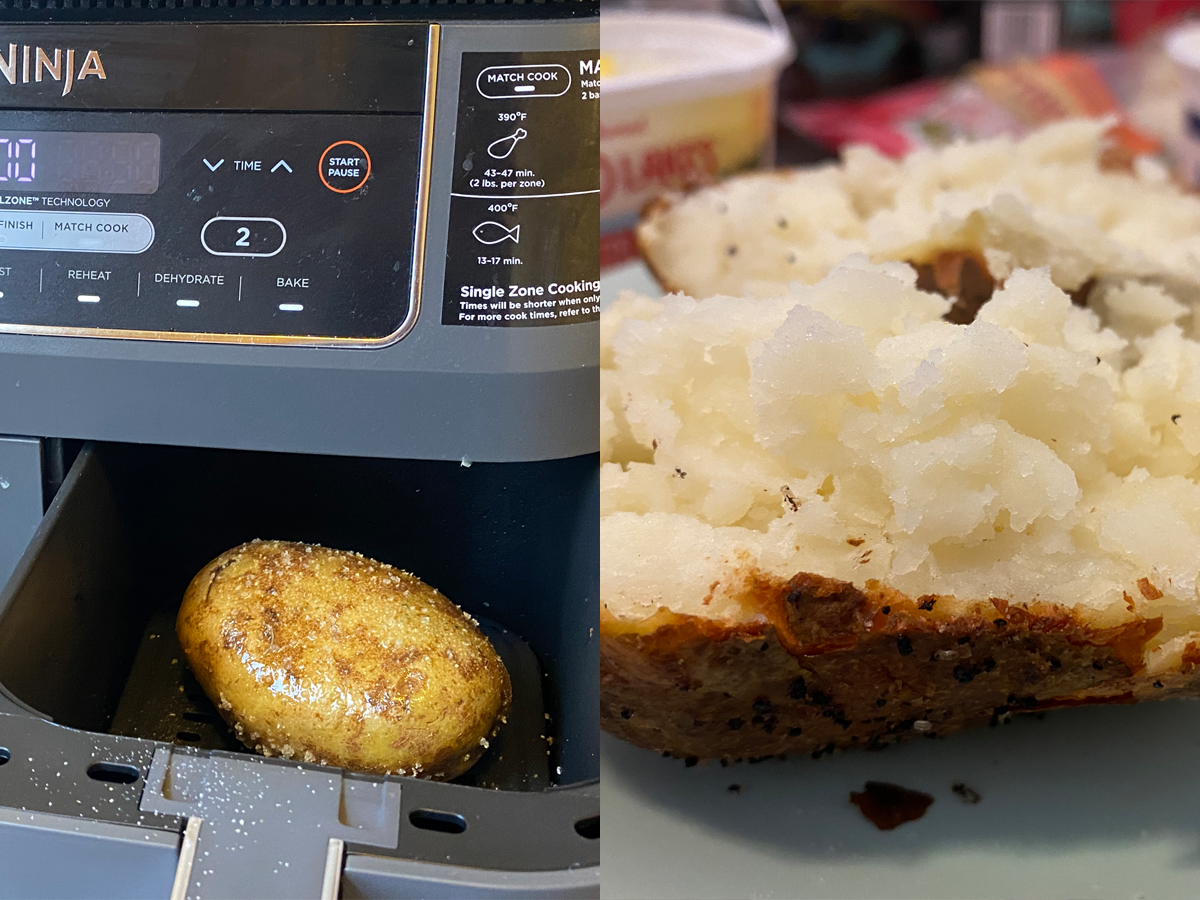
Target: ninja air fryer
311,271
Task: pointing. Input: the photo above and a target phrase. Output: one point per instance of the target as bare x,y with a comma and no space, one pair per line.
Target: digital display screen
91,162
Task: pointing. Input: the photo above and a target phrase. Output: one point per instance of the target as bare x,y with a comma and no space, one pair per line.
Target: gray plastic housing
443,392
91,859
263,827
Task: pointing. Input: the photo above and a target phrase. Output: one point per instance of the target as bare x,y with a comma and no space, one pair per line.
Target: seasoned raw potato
329,657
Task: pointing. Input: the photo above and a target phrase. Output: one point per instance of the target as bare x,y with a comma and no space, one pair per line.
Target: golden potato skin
329,657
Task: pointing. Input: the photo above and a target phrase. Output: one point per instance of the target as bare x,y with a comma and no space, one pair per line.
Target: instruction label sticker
524,235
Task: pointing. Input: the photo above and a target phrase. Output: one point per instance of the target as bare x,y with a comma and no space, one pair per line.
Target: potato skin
329,657
829,665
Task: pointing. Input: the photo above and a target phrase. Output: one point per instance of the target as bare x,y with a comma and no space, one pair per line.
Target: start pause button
345,167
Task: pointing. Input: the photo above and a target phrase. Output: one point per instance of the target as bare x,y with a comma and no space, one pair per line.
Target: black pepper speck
966,674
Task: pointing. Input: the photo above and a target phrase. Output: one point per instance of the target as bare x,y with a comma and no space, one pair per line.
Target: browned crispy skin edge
945,265
834,666
657,207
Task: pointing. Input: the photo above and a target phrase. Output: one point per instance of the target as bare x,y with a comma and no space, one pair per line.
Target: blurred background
695,89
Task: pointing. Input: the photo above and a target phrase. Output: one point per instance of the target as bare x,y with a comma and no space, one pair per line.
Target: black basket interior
87,621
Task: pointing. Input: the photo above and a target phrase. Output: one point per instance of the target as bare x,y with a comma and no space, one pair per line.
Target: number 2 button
243,236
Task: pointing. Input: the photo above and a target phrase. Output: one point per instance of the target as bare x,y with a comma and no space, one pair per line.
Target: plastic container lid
1182,45
662,57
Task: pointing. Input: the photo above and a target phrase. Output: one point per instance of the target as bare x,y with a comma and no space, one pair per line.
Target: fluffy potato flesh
845,429
328,657
1043,201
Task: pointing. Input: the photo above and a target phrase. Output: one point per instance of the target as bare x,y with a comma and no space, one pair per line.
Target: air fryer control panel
228,223
240,184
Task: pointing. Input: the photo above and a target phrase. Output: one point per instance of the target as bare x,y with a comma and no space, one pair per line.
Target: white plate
1100,802
633,276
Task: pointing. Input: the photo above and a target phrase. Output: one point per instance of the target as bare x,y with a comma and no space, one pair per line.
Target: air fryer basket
87,621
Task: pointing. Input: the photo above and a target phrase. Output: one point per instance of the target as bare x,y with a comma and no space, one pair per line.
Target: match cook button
344,167
503,82
75,232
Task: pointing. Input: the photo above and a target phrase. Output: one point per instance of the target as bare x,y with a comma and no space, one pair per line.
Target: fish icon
495,232
502,148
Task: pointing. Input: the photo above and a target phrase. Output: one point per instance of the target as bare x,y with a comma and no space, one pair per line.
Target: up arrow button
282,164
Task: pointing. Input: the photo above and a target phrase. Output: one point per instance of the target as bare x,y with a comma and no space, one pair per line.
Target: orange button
344,167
